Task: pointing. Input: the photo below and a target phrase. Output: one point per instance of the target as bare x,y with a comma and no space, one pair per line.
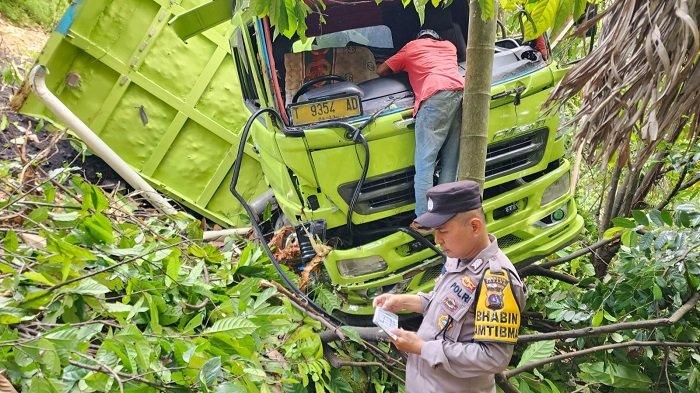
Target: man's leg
431,130
449,154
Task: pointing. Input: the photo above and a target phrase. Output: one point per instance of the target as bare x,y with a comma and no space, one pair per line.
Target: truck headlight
354,267
556,189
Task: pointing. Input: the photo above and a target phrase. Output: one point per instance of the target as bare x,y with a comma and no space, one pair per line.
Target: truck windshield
373,36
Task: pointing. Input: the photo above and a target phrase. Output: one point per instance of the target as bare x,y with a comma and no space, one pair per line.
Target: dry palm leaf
642,77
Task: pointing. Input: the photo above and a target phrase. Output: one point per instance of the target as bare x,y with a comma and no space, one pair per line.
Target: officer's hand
387,301
407,341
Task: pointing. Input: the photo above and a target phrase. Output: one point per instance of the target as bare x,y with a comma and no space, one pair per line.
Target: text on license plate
337,108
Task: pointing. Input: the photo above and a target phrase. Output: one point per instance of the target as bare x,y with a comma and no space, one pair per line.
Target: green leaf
94,198
121,308
327,299
640,217
263,297
38,277
153,312
611,232
12,315
193,323
655,217
594,373
542,15
666,218
231,387
172,265
487,9
236,326
45,385
39,215
609,317
87,286
352,334
338,384
71,251
135,309
597,318
100,228
623,222
552,386
627,377
64,217
537,351
657,292
629,238
209,373
617,337
10,241
579,8
564,12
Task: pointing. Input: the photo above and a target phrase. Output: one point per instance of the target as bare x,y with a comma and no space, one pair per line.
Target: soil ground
21,41
20,134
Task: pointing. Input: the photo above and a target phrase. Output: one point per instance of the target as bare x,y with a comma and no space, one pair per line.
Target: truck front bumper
401,267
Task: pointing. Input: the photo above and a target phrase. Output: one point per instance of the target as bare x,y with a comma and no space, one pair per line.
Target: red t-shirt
431,66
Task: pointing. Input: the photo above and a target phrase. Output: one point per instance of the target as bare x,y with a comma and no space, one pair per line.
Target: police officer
471,318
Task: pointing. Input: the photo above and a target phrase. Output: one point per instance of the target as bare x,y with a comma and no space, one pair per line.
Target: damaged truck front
338,153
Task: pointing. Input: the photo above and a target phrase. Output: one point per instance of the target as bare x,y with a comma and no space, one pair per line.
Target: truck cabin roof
403,22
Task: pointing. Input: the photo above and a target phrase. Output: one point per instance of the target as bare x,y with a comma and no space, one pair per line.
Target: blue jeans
438,124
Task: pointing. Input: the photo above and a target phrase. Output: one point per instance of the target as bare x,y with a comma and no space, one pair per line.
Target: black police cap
446,200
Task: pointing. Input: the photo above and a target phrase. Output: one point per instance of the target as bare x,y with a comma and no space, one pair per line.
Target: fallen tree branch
332,329
303,307
691,182
537,270
365,333
96,272
337,362
503,383
593,331
525,269
102,369
633,343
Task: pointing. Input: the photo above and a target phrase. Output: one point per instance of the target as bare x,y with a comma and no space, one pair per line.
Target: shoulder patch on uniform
441,321
468,283
450,303
497,315
476,264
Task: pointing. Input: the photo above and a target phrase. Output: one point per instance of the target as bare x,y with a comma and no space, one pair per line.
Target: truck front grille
516,154
395,189
508,241
431,274
382,192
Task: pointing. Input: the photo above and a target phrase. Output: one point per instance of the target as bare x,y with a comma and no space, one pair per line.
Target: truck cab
360,190
339,158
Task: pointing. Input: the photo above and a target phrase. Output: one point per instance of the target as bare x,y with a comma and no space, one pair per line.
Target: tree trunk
477,95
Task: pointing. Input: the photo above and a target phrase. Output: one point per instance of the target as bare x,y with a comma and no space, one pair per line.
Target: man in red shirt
431,64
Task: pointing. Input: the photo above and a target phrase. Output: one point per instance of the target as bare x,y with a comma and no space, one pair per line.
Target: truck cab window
245,69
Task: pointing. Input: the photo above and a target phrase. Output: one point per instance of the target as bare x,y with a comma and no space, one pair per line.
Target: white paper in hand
386,320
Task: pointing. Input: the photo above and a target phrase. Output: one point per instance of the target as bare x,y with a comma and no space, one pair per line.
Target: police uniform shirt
450,360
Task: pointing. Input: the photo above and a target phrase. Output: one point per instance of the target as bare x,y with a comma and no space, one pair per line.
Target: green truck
334,153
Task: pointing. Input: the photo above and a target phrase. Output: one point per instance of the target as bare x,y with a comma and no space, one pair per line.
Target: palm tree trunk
477,95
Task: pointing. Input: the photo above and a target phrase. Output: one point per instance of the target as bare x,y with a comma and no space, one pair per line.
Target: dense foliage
657,270
41,12
97,294
289,16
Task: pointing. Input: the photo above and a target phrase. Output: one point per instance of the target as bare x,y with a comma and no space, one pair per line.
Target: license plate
319,111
